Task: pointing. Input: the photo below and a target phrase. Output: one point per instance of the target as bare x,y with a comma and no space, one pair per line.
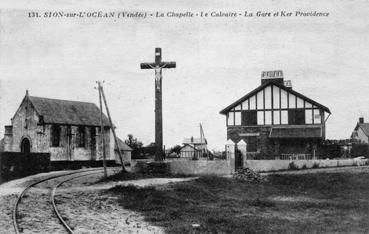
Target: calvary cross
158,66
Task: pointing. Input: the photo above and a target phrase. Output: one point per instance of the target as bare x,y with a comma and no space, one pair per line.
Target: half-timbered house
276,120
68,130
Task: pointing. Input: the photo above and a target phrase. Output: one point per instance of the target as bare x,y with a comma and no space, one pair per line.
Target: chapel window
81,136
55,135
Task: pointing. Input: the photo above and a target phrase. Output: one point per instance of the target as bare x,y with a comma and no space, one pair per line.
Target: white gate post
242,147
230,153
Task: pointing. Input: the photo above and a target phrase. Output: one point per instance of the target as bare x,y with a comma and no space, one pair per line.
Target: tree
133,142
176,149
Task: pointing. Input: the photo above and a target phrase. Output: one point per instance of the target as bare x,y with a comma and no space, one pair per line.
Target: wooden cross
158,66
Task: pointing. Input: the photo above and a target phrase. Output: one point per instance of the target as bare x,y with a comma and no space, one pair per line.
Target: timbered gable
274,104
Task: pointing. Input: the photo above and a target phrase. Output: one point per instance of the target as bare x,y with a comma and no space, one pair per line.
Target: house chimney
288,84
361,120
276,76
27,93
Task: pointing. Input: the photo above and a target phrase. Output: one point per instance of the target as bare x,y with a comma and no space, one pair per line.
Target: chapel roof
56,111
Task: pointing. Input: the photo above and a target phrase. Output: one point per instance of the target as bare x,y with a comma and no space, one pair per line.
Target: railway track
52,199
62,221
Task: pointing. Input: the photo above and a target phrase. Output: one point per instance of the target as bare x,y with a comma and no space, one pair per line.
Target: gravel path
8,195
35,209
98,212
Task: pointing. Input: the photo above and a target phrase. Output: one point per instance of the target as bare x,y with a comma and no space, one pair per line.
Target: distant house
189,151
125,152
361,131
193,147
198,143
274,119
68,130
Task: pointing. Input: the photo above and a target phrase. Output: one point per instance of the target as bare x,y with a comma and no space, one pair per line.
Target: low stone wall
73,165
16,164
200,167
226,167
278,165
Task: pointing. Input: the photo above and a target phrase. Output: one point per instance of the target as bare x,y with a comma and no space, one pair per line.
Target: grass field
310,203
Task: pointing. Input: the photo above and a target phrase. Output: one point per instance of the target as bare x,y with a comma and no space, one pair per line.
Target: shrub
248,175
315,165
304,167
359,150
331,150
292,166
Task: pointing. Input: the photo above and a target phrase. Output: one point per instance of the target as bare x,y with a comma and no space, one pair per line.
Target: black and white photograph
184,116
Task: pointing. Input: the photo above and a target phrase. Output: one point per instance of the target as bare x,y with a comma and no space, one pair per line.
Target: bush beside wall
331,151
360,150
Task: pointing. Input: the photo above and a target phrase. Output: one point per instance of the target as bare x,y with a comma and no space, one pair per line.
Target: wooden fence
294,157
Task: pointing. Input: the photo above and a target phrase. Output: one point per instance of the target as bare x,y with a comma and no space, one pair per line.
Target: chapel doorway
25,146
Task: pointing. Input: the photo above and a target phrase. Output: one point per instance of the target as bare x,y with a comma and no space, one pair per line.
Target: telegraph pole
102,135
112,128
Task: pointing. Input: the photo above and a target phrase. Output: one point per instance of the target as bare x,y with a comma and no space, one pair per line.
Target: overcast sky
218,61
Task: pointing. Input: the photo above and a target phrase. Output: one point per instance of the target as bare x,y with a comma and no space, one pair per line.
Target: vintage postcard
184,117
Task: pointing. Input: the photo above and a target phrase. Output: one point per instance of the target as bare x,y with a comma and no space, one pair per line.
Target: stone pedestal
230,152
242,147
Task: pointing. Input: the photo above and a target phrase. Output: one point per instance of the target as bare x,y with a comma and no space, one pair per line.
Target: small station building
193,147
